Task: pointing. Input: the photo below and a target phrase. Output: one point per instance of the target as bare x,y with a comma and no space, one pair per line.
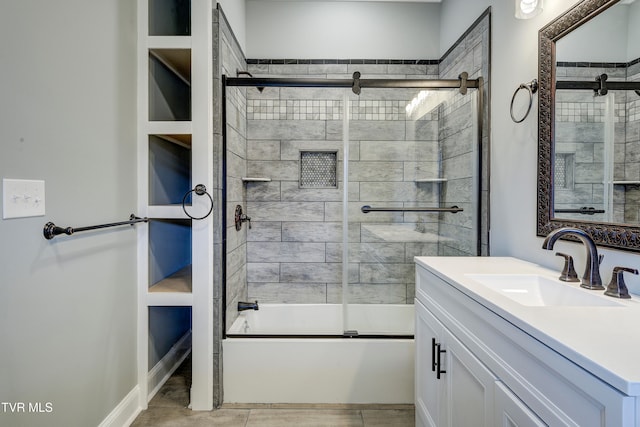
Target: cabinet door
429,390
469,386
511,412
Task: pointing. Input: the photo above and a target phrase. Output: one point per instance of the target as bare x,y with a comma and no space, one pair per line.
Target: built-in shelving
175,141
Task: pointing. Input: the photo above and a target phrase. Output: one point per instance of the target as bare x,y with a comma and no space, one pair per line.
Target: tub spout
242,306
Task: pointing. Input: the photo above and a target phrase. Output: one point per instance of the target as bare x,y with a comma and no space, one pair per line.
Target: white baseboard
161,372
129,408
126,411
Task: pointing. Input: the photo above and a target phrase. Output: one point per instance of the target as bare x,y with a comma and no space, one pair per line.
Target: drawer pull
436,352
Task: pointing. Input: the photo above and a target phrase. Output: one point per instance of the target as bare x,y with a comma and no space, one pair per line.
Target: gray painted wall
331,29
68,306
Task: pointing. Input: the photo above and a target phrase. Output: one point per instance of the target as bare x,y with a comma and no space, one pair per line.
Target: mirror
589,130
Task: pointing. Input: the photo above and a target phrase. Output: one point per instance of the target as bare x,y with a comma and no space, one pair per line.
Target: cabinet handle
433,354
440,371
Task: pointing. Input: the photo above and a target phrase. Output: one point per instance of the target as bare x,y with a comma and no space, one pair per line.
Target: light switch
22,198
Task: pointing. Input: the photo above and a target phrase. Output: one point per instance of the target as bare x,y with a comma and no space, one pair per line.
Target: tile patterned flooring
169,408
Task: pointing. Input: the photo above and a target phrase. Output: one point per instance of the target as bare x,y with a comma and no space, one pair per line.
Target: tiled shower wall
579,144
459,141
294,249
227,58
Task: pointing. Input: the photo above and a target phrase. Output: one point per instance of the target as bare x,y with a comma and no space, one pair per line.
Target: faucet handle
568,272
617,287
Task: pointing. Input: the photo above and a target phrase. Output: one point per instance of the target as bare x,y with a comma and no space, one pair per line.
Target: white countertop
603,340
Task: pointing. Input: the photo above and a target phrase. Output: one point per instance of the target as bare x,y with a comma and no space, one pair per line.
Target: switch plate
22,198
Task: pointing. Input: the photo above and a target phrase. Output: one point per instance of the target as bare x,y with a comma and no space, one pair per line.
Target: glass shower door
412,191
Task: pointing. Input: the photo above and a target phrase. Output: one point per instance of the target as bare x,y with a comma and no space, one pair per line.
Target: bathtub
324,369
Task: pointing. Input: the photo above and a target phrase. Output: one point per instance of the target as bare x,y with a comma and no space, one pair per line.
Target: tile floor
169,408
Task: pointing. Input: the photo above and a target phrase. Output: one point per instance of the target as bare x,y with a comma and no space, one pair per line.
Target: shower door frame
356,84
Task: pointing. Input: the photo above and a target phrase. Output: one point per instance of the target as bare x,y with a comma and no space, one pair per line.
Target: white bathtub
320,370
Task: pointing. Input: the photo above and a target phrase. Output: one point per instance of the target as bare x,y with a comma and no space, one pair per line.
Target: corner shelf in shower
246,179
626,182
431,180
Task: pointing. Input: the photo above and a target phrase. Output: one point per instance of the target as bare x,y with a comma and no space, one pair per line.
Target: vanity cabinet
453,387
495,374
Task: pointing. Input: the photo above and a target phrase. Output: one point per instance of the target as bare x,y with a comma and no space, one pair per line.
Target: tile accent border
598,64
343,61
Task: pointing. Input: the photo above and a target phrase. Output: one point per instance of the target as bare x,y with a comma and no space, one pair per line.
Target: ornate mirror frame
619,236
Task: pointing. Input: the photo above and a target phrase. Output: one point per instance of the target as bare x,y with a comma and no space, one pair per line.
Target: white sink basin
534,290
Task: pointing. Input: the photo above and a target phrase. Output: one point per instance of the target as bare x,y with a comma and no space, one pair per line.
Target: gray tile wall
459,144
294,250
227,58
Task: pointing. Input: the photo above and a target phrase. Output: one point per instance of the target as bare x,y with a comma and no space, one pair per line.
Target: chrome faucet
591,278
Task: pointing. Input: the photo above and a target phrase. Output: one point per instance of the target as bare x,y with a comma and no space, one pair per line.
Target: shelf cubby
170,255
169,84
169,17
169,169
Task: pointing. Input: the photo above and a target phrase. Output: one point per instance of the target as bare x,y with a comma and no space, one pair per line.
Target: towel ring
200,190
532,87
